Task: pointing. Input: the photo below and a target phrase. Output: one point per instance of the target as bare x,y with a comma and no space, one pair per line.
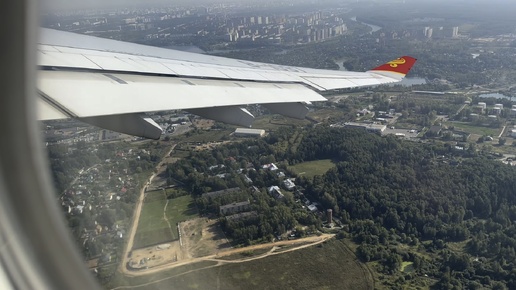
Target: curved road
314,240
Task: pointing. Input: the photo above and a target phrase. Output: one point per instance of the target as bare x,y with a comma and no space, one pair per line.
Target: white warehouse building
246,132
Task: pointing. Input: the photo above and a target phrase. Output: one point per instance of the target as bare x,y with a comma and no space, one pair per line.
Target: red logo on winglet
400,65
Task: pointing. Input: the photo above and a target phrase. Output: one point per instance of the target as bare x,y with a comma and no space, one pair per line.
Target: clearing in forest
312,168
160,217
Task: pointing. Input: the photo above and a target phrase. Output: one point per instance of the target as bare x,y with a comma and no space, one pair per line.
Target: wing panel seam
56,105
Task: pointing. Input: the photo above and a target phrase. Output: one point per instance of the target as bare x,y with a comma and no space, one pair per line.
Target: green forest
450,213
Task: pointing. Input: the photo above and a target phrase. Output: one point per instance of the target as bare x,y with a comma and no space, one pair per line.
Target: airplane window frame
37,251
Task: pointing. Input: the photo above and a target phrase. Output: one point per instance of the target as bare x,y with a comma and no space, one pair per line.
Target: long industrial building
246,132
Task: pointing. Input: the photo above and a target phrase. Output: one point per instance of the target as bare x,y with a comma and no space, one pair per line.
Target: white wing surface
109,83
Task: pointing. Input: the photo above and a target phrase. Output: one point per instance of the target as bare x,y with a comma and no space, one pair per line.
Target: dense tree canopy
389,191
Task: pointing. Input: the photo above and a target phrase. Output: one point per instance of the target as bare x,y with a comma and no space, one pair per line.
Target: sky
52,5
74,4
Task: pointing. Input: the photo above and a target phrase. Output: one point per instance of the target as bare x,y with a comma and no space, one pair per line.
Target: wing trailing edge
233,115
131,124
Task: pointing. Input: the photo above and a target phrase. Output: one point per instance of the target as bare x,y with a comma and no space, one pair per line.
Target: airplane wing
110,83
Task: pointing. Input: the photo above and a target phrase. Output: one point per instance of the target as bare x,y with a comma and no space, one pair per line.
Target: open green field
326,113
407,267
153,228
479,130
312,168
326,266
119,281
273,122
181,209
458,246
180,153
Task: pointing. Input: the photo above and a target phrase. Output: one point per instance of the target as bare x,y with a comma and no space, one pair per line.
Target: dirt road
275,246
303,243
312,241
136,215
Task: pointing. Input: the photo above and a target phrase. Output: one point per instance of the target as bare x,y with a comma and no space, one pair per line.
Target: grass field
312,168
181,153
153,228
119,280
181,209
479,130
327,266
323,114
407,267
273,122
458,246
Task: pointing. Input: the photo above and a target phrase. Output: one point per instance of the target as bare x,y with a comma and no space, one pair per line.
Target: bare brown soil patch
202,237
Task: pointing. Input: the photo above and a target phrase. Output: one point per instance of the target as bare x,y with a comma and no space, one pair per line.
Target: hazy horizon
59,5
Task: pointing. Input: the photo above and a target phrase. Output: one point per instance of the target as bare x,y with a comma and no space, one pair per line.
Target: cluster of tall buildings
455,32
311,27
429,32
224,23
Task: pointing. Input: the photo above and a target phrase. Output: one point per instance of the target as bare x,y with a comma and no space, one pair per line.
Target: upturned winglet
397,68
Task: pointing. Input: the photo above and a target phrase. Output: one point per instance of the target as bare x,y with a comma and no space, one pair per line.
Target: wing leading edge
110,83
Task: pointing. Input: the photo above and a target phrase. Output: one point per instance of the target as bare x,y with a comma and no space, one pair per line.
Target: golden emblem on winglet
396,62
